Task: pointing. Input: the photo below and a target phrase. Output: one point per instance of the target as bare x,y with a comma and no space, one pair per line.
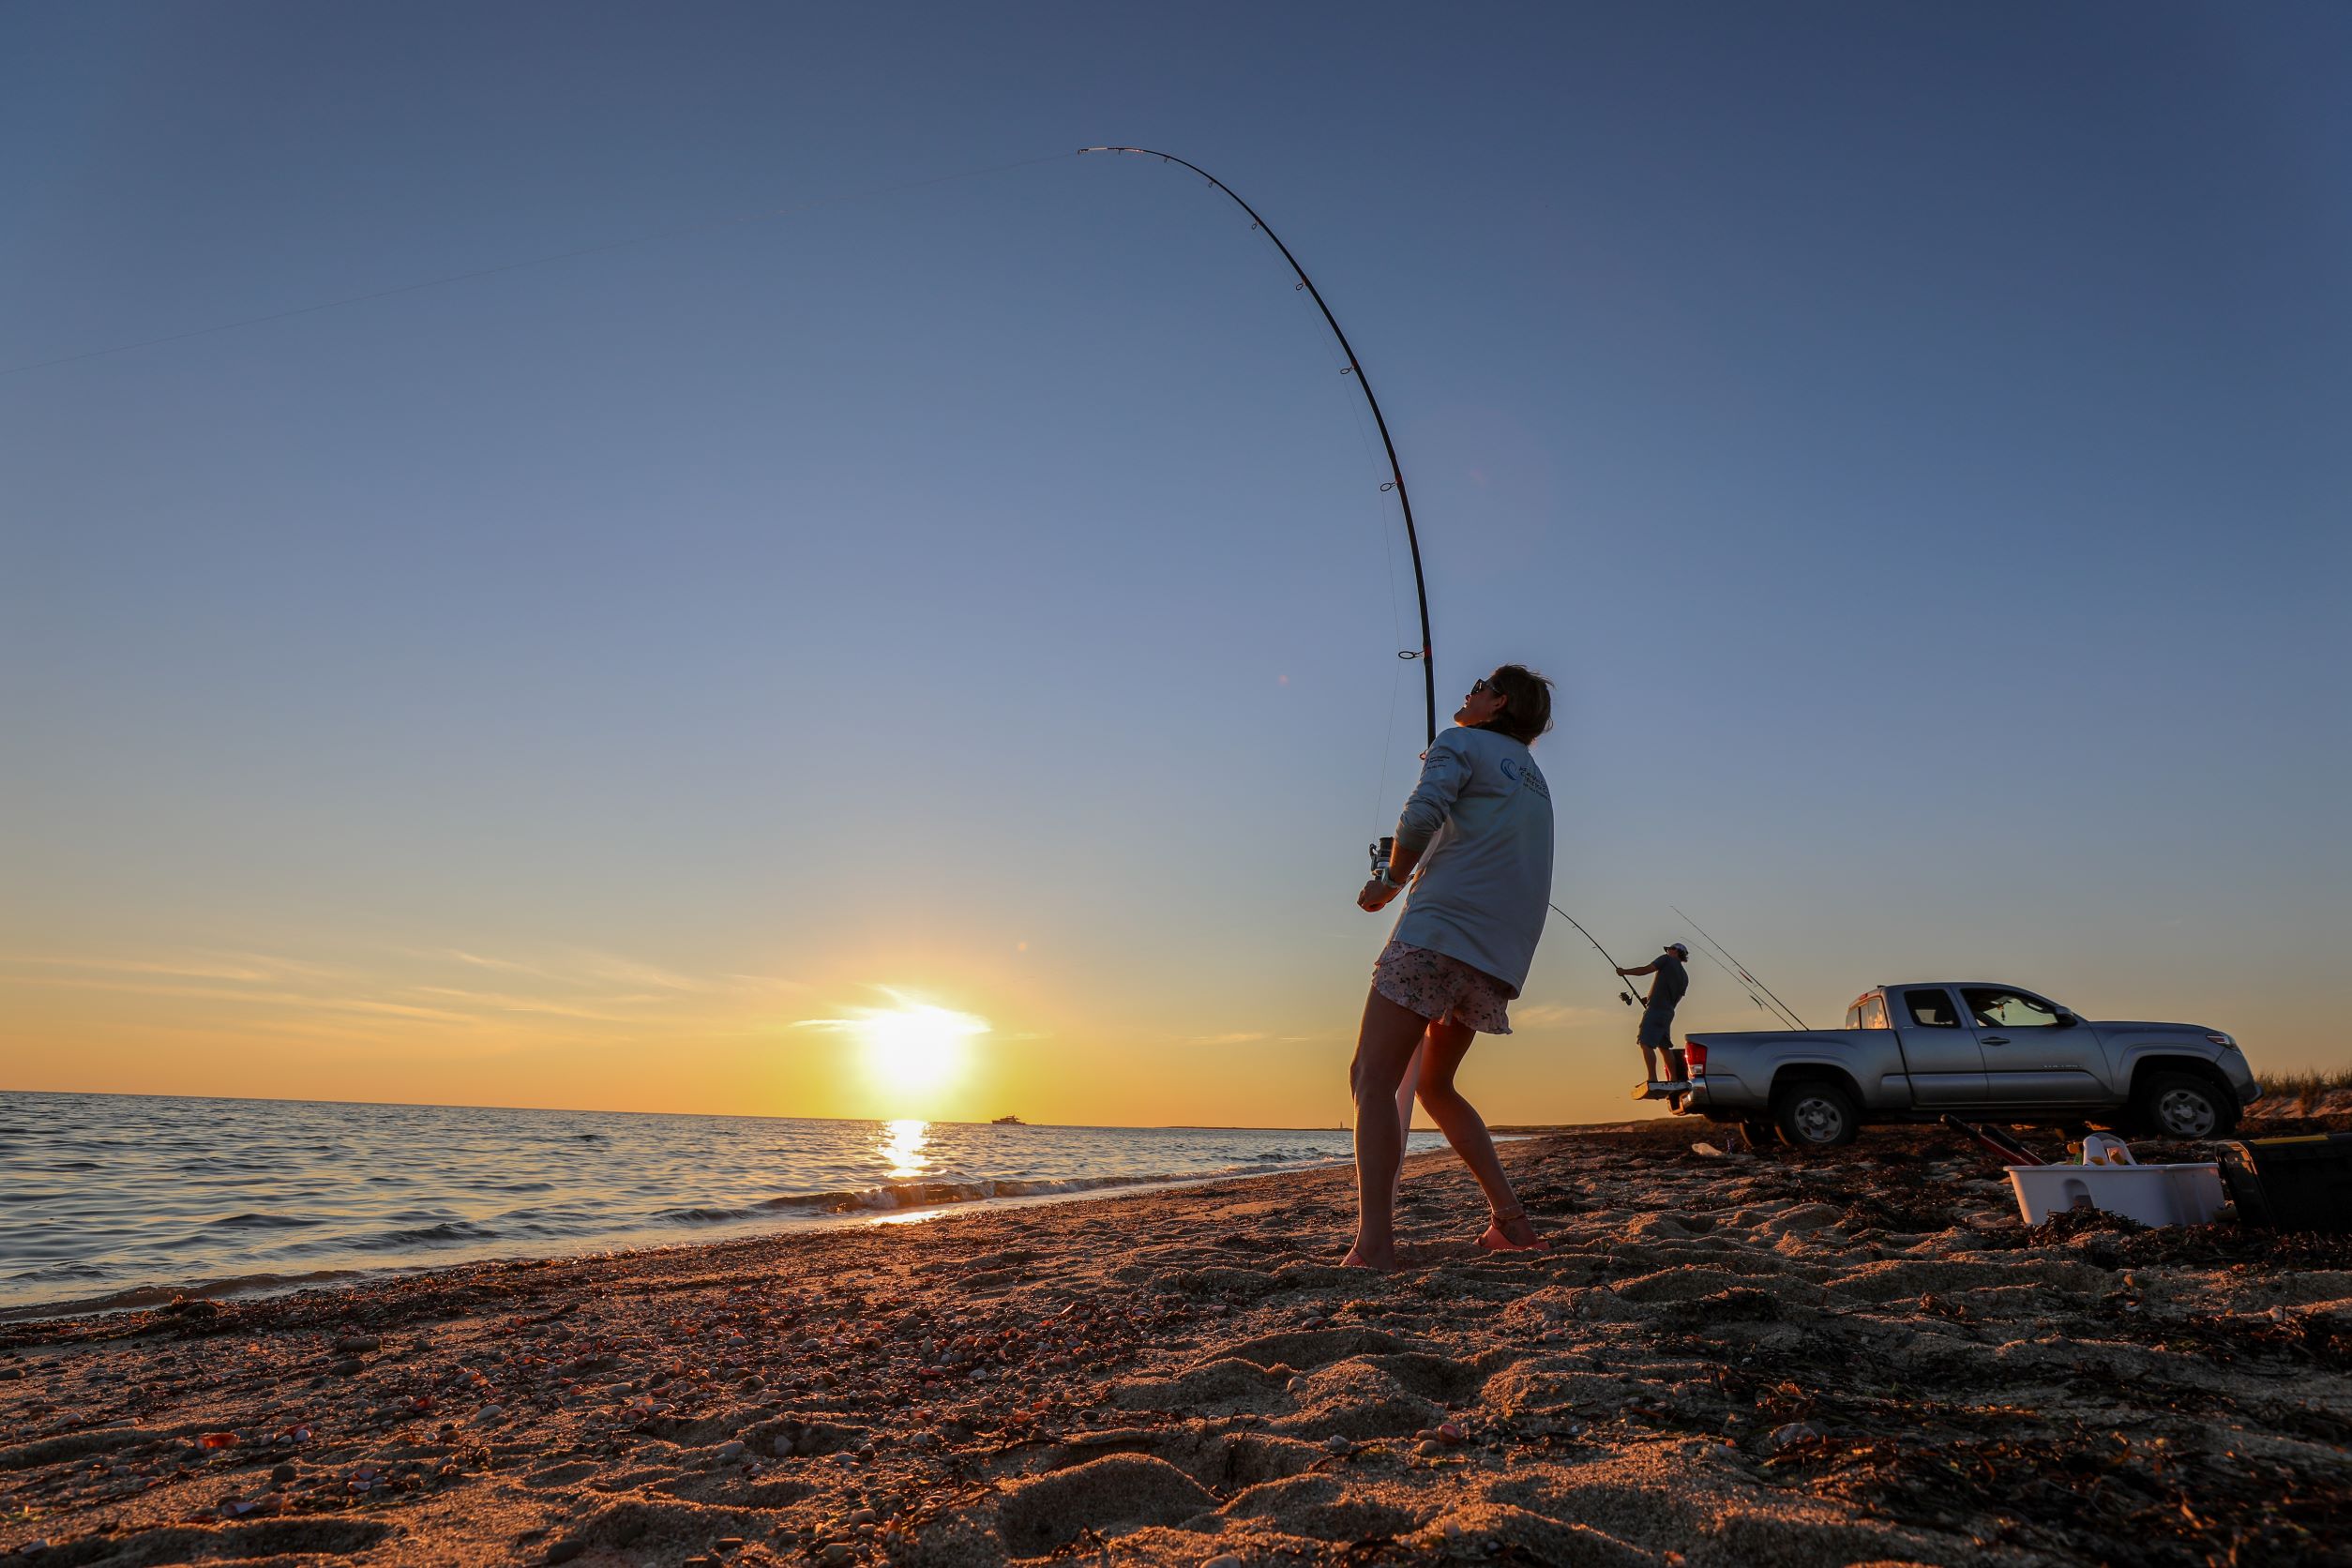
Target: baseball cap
1678,947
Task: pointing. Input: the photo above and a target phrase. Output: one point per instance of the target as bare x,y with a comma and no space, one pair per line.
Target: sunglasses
1479,686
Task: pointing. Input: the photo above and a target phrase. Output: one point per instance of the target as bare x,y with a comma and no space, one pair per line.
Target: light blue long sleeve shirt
1482,817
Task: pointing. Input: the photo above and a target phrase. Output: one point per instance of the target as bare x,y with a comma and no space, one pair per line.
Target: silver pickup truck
1912,1052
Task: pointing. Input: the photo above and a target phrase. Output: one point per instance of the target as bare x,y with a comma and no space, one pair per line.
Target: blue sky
1912,438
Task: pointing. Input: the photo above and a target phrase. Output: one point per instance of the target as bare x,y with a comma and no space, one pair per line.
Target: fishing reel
1382,852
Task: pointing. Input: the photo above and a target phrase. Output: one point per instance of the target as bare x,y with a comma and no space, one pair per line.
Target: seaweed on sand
1857,1424
2084,1491
2117,1242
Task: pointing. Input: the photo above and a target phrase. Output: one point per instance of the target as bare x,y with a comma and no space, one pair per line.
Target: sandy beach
1723,1361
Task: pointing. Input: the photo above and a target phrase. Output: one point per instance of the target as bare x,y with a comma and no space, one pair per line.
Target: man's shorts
1657,1029
1438,986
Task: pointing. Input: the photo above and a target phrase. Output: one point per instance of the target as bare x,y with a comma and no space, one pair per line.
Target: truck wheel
1757,1135
2176,1105
1816,1116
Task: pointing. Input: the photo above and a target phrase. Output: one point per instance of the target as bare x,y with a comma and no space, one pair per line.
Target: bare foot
1511,1233
1361,1257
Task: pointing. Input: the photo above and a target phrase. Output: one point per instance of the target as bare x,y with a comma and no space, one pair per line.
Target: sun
910,1053
915,1048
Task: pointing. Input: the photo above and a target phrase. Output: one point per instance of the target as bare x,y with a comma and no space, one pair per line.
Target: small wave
1042,1189
60,1271
699,1215
164,1295
927,1195
264,1222
1253,1170
894,1194
448,1231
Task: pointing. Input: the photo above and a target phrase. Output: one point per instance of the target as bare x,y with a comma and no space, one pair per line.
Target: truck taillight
1695,1057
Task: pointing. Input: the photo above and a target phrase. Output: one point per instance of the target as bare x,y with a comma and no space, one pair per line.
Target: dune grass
2306,1090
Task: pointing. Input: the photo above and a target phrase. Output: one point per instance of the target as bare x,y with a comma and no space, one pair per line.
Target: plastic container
2292,1184
2151,1194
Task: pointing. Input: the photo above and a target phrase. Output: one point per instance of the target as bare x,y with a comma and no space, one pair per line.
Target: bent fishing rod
1624,993
1385,847
1380,851
1363,383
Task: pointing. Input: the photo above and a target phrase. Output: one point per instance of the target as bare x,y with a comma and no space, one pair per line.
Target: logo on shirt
1525,773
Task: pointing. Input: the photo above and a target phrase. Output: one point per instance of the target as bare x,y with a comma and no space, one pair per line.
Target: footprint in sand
1109,1496
1323,1508
271,1538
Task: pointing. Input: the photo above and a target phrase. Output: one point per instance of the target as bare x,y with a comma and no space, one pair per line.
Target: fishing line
1794,1021
1318,347
1744,986
1384,536
1380,817
713,226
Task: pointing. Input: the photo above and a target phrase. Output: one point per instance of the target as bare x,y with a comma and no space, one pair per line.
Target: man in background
1656,1036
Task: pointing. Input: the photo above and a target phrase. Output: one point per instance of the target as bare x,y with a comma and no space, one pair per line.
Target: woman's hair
1526,708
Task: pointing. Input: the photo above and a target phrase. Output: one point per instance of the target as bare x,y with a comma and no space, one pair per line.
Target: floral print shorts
1438,986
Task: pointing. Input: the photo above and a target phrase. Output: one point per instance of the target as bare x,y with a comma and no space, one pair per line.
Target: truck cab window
1930,1009
1868,1012
1996,1009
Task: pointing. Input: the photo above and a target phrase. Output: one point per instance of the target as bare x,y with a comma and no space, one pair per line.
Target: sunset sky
1914,438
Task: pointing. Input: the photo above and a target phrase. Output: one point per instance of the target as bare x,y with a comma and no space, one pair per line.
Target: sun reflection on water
902,1145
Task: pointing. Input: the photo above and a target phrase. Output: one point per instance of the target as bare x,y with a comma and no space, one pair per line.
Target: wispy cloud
393,1009
1555,1013
628,971
240,997
299,968
417,1043
587,967
190,964
142,987
906,1013
413,991
1241,1039
181,968
500,1001
508,966
765,981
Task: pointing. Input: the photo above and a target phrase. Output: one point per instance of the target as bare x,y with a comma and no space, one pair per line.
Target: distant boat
1008,1121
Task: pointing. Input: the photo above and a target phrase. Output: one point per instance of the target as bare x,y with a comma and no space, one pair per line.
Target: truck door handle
1994,1039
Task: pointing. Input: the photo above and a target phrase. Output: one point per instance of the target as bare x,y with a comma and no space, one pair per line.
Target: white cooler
2151,1194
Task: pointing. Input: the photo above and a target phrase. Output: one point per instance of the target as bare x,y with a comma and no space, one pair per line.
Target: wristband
1386,881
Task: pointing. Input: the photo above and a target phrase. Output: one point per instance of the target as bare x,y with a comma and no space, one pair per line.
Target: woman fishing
1474,845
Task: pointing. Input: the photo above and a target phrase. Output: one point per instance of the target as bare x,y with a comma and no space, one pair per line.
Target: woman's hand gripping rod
1384,885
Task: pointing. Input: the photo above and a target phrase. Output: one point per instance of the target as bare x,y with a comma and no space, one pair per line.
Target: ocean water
118,1201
